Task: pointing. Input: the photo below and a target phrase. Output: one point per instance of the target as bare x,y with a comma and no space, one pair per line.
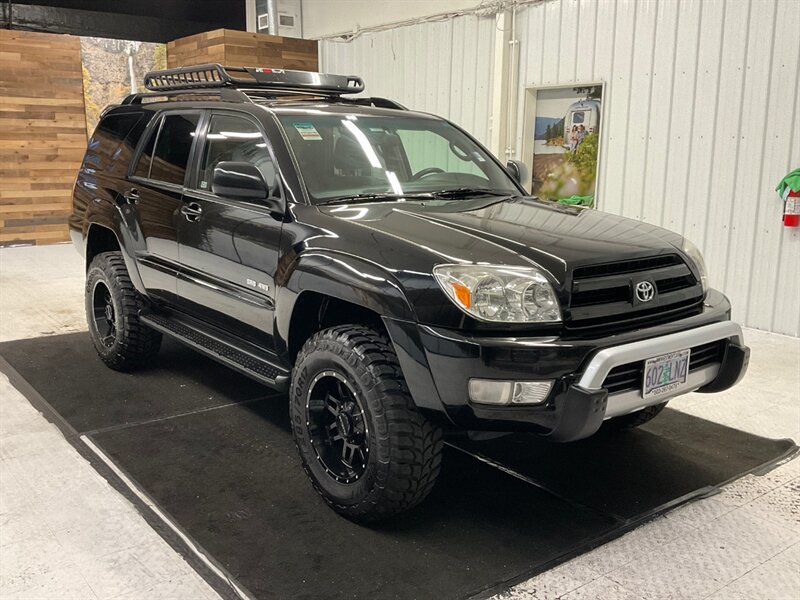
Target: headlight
500,294
697,258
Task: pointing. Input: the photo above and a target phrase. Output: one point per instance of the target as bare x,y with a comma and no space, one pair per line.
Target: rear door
229,248
154,195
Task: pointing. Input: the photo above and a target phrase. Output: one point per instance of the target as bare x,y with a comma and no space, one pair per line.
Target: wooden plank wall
42,134
243,49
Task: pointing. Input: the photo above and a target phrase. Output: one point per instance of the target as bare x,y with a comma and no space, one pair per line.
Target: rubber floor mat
221,462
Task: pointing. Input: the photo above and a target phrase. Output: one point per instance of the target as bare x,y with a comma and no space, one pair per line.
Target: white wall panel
440,67
702,104
701,121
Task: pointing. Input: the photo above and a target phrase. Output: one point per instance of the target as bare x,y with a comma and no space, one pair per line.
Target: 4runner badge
645,291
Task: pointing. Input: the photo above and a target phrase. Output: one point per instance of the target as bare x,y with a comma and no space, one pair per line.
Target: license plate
665,374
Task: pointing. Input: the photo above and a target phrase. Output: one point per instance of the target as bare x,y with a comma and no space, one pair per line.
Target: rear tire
368,451
634,419
122,341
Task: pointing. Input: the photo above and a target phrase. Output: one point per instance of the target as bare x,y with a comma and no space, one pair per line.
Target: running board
221,347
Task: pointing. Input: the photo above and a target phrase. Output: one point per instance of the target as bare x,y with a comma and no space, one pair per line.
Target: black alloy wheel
337,427
104,315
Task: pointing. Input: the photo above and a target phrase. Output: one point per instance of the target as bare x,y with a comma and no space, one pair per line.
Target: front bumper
438,364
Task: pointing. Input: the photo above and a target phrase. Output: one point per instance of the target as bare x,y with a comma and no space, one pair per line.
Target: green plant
584,157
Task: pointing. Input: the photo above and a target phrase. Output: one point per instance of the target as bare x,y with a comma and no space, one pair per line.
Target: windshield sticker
307,131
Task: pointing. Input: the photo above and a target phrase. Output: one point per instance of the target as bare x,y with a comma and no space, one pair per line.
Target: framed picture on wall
561,141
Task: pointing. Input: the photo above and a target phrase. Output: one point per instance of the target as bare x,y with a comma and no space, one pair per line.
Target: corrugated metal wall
441,67
702,116
701,121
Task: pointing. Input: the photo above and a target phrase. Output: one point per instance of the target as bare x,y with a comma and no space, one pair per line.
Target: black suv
384,269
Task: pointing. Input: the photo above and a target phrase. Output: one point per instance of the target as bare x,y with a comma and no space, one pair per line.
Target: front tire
122,341
368,451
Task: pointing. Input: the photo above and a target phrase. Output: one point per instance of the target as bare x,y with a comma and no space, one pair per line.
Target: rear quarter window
103,150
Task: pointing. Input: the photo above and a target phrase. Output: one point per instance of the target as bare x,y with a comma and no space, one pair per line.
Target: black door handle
192,211
132,195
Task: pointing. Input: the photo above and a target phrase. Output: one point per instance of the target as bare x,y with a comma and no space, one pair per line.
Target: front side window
345,155
232,138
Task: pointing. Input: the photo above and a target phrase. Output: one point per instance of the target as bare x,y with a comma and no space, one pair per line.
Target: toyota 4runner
385,270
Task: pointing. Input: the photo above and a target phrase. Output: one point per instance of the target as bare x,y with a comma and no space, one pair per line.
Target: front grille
602,300
674,283
627,266
629,377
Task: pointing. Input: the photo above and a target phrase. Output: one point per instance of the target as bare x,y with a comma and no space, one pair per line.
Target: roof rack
279,80
252,83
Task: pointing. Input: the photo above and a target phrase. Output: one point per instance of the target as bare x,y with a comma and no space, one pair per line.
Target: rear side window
166,153
146,157
173,147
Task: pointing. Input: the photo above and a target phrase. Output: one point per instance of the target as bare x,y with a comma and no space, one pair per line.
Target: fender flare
102,221
341,276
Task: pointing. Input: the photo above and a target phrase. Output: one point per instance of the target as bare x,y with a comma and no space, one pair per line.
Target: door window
232,138
146,157
173,147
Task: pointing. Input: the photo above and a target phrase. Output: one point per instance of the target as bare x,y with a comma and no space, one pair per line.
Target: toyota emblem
645,291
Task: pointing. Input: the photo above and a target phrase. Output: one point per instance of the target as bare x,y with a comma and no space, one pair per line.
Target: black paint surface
229,475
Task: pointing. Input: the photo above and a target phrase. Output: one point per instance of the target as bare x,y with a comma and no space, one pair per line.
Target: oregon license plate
665,374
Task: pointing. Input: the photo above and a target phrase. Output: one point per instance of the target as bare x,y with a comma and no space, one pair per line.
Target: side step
236,354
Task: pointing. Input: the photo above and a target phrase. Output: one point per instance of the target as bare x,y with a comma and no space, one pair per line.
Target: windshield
342,156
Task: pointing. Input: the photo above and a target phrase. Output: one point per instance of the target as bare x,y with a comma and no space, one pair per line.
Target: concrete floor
742,543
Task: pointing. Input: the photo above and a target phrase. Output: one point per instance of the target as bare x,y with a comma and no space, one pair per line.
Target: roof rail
226,94
378,102
280,80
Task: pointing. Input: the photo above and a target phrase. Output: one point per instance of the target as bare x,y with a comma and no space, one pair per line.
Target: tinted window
146,157
103,149
117,126
237,139
172,148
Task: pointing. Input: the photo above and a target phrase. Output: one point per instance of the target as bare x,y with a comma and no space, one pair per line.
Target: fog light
490,391
531,392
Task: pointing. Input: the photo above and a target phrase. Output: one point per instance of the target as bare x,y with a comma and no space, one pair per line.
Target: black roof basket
199,77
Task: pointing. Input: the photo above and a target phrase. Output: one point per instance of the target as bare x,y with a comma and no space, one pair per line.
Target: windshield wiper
463,192
358,198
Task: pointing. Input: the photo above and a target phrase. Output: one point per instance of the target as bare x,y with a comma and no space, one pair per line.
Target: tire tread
415,444
138,343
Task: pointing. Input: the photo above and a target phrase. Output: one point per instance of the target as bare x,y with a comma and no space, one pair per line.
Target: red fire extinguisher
789,191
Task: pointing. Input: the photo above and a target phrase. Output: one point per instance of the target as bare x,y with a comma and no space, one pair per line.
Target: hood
519,232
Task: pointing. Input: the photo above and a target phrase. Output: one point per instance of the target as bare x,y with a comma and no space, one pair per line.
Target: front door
228,247
154,195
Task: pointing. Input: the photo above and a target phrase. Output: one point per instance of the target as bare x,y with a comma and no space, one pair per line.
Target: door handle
192,211
132,195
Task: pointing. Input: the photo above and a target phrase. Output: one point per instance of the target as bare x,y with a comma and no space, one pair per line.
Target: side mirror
518,170
239,180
